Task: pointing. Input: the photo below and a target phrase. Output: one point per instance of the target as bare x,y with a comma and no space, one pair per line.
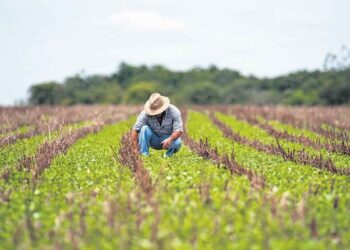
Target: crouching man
158,126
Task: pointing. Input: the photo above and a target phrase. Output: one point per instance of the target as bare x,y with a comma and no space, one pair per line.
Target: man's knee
145,130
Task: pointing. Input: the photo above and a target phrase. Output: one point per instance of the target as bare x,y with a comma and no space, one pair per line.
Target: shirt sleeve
177,123
141,120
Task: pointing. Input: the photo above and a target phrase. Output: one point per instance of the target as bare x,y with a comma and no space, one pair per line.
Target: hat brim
150,111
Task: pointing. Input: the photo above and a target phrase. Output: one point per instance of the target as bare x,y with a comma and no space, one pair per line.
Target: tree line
131,84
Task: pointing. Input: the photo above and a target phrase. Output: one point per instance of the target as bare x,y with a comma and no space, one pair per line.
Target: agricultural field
246,177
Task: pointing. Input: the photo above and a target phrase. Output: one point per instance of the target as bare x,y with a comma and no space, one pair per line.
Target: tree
45,93
336,92
203,93
133,84
139,92
124,74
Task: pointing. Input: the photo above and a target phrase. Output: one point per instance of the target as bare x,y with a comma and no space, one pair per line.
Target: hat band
157,104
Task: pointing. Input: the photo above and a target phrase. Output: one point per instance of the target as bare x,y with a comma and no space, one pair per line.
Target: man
158,126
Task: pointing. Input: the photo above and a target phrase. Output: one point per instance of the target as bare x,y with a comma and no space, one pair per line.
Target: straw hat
156,104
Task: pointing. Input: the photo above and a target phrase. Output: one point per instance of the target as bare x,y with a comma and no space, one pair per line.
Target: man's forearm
176,135
135,140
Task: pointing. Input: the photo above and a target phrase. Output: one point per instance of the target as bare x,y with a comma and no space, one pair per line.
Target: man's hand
135,143
167,142
136,151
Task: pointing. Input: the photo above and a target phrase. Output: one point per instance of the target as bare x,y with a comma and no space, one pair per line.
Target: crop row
256,133
14,156
330,122
21,123
41,145
333,146
338,143
203,205
326,195
85,198
43,212
229,212
215,193
25,160
262,141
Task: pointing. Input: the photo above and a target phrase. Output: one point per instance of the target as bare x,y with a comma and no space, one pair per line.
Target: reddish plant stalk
300,157
203,149
130,159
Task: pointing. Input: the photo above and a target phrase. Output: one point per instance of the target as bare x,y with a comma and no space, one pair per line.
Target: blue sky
43,40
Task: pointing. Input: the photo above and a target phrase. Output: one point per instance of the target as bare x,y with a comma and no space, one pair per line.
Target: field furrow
332,123
285,176
283,131
45,212
202,206
43,120
20,159
239,181
19,130
334,144
252,132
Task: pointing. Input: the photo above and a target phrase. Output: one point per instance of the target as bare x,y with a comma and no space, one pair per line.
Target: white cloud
300,17
145,20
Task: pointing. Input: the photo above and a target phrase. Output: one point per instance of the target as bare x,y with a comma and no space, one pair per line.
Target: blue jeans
147,138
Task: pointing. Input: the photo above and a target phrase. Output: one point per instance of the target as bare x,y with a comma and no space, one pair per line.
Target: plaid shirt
171,122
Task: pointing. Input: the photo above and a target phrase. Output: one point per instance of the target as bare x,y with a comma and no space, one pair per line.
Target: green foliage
255,133
88,200
20,130
297,97
87,168
45,93
139,92
197,85
202,93
335,92
319,189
